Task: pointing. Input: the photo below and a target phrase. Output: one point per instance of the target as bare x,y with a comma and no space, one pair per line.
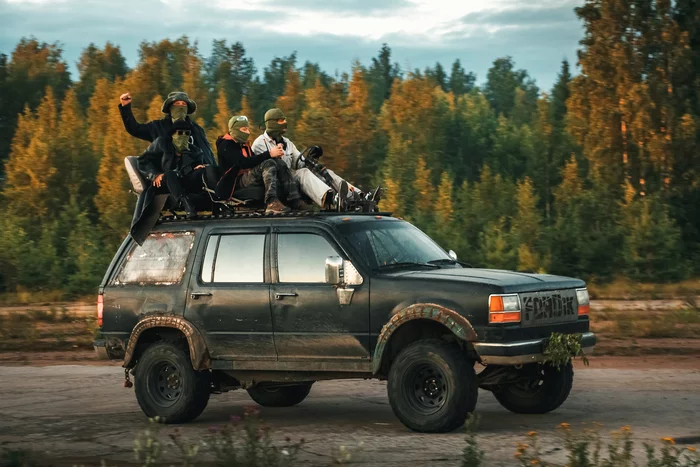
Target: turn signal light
504,309
584,302
100,309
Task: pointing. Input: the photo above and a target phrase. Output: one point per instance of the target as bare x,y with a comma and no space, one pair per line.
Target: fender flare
199,354
458,324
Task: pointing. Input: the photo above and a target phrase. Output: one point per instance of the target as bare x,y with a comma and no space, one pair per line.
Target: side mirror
334,270
452,255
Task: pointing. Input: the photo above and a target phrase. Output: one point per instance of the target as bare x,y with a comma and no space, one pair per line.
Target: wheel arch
417,321
156,327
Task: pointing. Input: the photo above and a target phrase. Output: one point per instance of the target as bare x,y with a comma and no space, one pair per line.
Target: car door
229,295
309,321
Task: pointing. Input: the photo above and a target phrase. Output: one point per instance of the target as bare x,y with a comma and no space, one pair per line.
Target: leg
265,174
337,181
289,186
176,186
312,186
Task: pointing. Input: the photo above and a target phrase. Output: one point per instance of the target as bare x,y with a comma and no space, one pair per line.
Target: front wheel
279,396
167,386
432,386
543,390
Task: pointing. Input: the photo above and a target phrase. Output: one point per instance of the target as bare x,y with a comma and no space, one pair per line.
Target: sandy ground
78,414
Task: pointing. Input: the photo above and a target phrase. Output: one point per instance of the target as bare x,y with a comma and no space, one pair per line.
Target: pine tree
102,102
76,164
527,228
223,115
497,246
319,125
357,141
154,109
460,82
292,102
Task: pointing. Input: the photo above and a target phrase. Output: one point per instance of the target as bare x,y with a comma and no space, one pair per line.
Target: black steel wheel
167,386
432,386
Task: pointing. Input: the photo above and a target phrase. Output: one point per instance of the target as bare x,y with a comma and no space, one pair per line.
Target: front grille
551,307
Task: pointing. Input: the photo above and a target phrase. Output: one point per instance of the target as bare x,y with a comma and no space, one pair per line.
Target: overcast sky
538,34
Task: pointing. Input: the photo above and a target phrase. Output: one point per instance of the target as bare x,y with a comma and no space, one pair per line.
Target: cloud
330,32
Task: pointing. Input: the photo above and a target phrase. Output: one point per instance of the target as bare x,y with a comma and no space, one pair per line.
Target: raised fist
125,98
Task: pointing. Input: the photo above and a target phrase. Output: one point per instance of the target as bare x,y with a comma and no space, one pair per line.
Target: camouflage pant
275,176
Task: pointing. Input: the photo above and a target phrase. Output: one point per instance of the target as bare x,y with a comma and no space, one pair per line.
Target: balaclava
181,141
178,112
234,129
274,129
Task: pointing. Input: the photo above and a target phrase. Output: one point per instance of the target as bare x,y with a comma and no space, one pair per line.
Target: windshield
383,243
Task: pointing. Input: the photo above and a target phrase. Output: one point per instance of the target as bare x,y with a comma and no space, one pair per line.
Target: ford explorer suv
273,303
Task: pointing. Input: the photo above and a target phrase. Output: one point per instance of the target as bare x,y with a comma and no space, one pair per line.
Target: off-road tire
280,396
553,390
432,386
167,386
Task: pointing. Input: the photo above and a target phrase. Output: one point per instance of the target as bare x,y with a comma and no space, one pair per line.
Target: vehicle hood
510,281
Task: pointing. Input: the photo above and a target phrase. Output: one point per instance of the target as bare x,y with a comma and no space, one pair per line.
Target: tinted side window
239,258
302,257
160,261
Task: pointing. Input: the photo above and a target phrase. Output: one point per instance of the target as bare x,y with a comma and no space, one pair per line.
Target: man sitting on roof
315,188
176,107
241,169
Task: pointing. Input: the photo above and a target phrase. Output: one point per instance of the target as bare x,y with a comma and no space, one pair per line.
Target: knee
269,164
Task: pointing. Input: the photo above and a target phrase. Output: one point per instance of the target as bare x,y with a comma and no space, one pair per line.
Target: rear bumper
521,352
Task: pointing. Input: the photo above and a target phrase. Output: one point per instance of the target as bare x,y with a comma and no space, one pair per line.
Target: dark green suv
271,304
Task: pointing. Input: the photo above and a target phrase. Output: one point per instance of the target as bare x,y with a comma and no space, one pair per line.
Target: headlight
584,302
504,308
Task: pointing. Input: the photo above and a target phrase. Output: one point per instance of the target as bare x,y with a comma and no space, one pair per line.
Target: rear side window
161,260
234,259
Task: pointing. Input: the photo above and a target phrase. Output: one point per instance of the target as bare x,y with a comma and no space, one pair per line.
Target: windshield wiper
449,261
406,264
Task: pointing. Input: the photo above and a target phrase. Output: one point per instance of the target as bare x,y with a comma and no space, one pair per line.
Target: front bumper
522,352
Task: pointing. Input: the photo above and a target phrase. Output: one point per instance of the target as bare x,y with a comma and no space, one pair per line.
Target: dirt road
79,414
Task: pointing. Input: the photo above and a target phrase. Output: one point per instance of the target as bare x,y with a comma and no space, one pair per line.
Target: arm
204,144
144,131
149,161
230,155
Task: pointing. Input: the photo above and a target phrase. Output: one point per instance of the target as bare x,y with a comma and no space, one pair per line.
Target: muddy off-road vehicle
272,304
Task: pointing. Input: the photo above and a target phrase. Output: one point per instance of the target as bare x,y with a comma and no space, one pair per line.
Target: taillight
100,309
584,302
504,309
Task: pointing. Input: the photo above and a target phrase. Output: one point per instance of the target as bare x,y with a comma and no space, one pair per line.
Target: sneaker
276,207
190,210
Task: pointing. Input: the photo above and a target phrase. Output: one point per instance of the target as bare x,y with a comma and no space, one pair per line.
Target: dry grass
39,330
625,289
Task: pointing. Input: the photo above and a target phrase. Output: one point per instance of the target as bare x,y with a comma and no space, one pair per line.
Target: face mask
178,112
239,136
181,142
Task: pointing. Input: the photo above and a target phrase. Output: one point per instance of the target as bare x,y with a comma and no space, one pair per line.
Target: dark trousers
179,186
273,174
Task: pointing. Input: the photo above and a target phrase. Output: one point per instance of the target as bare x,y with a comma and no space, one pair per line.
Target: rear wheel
545,390
432,386
279,396
167,386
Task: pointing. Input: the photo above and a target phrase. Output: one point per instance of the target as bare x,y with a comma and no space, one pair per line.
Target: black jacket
232,159
161,156
160,128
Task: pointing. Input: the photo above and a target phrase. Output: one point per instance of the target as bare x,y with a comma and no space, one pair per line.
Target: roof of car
329,217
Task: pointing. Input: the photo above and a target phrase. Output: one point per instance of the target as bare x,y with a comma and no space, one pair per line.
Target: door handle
196,295
281,295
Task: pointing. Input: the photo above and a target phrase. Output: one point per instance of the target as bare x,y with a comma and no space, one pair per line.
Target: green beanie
235,124
273,128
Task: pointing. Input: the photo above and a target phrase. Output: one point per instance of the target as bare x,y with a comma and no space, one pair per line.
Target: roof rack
264,215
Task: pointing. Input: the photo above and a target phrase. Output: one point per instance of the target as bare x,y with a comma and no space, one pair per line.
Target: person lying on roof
240,168
178,106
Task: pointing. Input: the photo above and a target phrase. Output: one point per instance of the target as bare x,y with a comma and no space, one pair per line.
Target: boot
190,210
299,205
343,196
276,207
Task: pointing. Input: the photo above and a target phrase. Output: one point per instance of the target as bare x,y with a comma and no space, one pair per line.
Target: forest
595,178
